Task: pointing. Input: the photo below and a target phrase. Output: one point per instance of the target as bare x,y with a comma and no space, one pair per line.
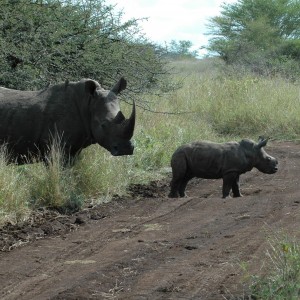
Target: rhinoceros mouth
119,151
269,169
272,170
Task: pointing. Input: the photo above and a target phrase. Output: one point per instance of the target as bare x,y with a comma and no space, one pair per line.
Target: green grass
281,279
99,175
14,193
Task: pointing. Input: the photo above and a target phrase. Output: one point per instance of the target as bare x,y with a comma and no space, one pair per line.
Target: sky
172,20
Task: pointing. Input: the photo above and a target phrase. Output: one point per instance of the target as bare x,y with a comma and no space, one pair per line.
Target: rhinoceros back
19,113
23,117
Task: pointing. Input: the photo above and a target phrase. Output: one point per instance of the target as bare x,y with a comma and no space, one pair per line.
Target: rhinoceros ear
262,142
90,86
119,86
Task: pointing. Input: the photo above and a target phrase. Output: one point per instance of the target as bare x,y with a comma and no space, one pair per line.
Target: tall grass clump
14,192
99,175
254,106
240,105
282,277
53,184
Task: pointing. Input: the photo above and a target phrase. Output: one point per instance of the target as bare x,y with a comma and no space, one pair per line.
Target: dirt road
151,247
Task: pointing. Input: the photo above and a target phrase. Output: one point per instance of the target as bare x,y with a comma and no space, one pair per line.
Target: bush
52,41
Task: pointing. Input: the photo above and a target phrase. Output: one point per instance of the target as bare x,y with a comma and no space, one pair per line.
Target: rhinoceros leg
174,188
229,180
236,187
178,186
182,185
179,171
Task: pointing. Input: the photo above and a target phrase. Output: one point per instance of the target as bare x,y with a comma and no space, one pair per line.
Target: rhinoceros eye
103,126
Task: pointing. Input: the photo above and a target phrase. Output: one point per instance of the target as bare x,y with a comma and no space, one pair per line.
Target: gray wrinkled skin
80,113
213,161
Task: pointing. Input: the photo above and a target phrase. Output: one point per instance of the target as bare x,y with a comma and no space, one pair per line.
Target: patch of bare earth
148,246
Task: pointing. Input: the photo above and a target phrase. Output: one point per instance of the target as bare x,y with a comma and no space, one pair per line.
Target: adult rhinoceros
80,113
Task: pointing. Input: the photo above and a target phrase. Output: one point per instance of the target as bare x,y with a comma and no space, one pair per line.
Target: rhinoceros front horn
129,124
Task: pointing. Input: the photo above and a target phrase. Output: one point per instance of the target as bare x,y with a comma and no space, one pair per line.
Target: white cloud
177,20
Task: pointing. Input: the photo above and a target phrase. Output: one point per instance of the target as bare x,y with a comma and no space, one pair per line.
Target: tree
254,31
47,41
181,49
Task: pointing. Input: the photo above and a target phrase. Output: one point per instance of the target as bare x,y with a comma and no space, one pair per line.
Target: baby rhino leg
183,185
236,187
178,164
230,181
174,188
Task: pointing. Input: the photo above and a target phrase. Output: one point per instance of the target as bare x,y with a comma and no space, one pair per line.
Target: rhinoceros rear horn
129,124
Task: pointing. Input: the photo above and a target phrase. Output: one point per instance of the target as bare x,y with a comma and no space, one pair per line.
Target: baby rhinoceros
212,161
